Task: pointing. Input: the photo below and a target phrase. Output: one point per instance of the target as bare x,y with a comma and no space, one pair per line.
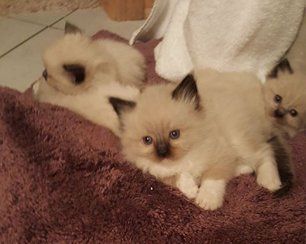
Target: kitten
92,104
76,62
81,73
196,139
286,102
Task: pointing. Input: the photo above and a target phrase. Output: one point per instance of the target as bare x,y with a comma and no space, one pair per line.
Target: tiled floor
23,38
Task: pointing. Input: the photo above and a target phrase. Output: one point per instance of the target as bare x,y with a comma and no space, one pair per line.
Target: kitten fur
76,62
291,88
92,104
81,74
221,129
284,166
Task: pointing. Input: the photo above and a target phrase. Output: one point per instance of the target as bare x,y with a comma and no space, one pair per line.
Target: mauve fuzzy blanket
63,180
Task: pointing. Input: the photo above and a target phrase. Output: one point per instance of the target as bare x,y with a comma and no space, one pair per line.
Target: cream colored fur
92,104
104,61
111,69
228,135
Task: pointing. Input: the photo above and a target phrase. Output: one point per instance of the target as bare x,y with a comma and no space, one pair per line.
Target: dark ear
121,105
71,29
283,66
76,72
187,91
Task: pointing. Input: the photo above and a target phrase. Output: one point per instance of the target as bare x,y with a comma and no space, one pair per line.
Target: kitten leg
267,173
243,170
211,193
43,92
283,160
187,185
35,88
213,185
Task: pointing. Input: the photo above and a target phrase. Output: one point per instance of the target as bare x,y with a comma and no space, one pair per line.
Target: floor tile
42,18
93,20
13,32
19,68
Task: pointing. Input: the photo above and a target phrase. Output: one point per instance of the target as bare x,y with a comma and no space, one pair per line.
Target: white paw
211,194
35,87
267,176
243,170
269,182
187,185
209,201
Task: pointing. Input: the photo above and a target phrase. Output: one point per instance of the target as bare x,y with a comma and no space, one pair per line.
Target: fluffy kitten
197,140
76,62
81,74
92,104
286,102
285,91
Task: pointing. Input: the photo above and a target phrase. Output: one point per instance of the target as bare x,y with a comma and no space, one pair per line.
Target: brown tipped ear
76,72
120,106
283,66
187,91
71,29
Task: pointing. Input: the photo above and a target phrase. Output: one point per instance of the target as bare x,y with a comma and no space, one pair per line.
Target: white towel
236,35
241,35
172,58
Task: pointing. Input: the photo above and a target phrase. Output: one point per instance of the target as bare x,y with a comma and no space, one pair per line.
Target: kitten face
286,102
71,62
163,126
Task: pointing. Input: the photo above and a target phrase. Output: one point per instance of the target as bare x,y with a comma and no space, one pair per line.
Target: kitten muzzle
279,113
162,149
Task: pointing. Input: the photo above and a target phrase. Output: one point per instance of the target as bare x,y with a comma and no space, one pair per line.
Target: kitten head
163,124
72,62
286,102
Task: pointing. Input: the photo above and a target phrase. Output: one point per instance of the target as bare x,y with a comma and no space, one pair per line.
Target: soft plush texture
225,35
63,180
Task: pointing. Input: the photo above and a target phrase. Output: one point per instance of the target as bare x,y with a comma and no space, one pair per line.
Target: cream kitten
285,98
81,74
92,104
196,140
76,62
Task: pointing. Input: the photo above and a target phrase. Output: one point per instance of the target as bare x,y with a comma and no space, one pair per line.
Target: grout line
66,15
37,33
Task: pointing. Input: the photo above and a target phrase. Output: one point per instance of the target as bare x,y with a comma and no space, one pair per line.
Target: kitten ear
76,72
120,106
187,91
71,29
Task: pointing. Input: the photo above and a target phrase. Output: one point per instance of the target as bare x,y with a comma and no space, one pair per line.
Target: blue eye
147,140
174,134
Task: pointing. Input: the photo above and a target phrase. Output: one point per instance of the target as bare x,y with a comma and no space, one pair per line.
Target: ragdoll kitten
92,104
285,98
81,73
75,62
196,142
